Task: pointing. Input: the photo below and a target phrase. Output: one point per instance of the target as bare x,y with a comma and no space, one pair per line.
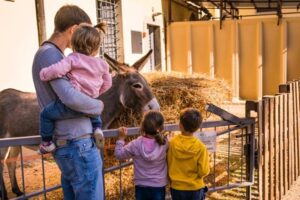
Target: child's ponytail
101,27
160,138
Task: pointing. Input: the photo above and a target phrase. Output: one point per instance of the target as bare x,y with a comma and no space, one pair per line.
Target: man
76,155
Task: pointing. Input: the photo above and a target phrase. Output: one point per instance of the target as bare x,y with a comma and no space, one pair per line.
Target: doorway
154,41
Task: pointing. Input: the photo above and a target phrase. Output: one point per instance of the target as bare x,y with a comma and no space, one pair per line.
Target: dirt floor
293,193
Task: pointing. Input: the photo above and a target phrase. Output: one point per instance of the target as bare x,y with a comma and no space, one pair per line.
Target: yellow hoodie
188,163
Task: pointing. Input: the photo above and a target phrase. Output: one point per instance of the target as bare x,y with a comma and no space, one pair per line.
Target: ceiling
231,8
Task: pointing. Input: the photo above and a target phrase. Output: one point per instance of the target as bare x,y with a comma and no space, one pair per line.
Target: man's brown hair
190,119
86,39
68,16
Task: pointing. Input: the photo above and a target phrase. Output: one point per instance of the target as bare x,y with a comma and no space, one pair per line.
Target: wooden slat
276,151
260,150
266,112
281,144
298,121
271,149
296,149
290,139
285,143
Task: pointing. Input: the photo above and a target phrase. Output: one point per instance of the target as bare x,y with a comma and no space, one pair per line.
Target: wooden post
266,116
260,149
290,140
285,88
271,148
297,122
286,145
276,135
40,16
281,144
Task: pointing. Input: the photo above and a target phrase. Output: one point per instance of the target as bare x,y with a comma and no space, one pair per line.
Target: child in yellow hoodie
188,159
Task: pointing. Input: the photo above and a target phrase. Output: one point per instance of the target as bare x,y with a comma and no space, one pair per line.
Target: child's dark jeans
190,195
58,111
150,193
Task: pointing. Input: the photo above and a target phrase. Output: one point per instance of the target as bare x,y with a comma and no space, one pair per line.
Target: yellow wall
272,76
249,54
180,47
253,55
202,47
293,50
179,13
223,50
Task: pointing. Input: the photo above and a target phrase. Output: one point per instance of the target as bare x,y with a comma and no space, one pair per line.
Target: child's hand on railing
122,133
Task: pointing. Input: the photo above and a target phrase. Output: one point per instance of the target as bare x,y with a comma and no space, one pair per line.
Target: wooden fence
278,141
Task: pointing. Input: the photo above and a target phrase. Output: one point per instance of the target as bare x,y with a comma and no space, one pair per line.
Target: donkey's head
134,91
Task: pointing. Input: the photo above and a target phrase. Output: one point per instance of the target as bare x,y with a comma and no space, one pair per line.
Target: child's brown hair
190,119
87,39
153,124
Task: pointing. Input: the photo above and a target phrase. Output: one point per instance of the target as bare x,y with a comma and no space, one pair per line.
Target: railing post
250,146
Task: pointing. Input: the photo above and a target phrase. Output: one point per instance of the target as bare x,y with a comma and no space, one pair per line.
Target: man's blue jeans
150,193
81,167
56,110
191,195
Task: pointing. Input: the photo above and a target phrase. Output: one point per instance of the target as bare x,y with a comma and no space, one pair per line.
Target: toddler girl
87,73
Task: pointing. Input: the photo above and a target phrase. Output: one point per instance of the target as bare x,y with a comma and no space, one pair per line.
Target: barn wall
19,38
19,41
253,55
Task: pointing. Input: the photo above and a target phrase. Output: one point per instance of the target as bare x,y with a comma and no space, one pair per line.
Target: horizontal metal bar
230,186
110,169
36,193
35,140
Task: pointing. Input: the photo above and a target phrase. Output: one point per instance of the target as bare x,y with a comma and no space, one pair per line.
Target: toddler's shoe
46,147
99,138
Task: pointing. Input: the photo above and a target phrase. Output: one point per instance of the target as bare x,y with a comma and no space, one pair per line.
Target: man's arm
56,70
74,99
71,97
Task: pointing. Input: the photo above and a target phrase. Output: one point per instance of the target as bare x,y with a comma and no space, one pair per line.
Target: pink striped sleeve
56,70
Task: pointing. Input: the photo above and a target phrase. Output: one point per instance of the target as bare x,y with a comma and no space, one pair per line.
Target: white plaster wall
19,38
18,43
136,15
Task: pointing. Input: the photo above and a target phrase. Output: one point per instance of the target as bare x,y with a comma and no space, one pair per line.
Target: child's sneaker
46,147
99,138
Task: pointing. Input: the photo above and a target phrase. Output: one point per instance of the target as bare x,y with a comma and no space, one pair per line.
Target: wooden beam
40,17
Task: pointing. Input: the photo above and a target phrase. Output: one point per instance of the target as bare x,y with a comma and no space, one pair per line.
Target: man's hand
122,133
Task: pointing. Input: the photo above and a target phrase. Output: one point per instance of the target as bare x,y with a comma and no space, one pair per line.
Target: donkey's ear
138,65
114,65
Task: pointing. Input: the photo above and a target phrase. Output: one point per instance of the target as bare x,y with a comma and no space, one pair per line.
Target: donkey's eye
137,86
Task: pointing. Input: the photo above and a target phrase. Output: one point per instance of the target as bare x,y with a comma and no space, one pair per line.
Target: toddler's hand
122,133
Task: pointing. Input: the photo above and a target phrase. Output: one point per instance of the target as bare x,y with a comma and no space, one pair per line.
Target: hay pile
175,92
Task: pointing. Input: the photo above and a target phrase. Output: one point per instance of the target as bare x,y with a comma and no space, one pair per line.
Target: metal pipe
171,127
22,169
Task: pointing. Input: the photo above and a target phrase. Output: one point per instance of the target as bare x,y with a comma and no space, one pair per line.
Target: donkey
19,111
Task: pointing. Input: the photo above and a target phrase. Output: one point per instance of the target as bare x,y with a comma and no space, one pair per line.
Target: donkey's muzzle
152,105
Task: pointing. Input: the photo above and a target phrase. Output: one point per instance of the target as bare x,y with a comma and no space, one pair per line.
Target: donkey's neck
112,105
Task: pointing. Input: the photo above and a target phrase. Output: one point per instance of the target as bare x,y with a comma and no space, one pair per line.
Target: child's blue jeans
150,193
187,194
58,111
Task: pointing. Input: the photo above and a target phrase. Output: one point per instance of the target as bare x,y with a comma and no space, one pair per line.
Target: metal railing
235,152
